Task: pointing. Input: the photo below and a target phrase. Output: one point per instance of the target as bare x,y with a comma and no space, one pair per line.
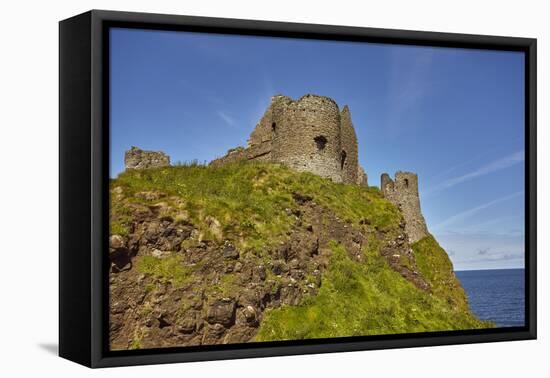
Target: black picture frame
83,180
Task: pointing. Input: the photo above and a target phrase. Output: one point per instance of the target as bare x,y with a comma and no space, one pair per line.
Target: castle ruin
310,134
403,193
136,158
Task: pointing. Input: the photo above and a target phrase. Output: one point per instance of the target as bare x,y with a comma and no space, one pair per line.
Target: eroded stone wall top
309,134
403,193
136,158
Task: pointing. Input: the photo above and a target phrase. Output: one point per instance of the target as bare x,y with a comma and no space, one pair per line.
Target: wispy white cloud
408,85
498,250
456,167
494,166
226,118
494,258
491,224
468,213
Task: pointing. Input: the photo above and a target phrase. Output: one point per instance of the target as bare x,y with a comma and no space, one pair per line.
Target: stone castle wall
136,158
362,178
349,156
308,135
403,192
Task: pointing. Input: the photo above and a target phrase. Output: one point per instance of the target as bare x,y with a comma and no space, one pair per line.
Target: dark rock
283,251
119,255
187,325
164,321
250,296
278,267
213,333
241,334
259,273
365,221
221,311
301,198
297,274
230,252
290,295
294,264
152,232
250,314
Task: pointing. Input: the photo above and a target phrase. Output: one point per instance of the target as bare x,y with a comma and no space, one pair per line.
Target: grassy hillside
251,201
364,299
436,267
271,254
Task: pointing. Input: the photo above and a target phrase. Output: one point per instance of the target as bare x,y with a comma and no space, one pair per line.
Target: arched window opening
343,156
406,183
273,126
320,142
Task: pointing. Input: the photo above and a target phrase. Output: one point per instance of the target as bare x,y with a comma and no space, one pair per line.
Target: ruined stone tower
310,134
403,193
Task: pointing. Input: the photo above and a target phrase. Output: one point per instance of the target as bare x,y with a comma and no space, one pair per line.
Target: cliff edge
256,251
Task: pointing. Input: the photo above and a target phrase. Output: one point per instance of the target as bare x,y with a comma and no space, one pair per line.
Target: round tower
308,137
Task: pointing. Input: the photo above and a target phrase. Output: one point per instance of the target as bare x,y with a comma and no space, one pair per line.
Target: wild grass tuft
169,269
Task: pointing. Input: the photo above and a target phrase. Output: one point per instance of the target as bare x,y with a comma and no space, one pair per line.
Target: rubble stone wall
136,158
403,192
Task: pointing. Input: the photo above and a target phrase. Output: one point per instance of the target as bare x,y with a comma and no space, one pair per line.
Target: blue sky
454,116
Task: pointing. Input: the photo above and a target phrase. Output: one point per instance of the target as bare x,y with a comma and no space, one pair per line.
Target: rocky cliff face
221,299
201,255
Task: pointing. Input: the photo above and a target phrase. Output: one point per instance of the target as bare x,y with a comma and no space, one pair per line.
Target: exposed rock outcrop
216,294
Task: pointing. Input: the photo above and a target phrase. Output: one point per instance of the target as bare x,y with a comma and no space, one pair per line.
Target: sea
497,295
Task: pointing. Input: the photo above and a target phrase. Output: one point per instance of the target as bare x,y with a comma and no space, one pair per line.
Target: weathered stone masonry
136,158
310,134
403,193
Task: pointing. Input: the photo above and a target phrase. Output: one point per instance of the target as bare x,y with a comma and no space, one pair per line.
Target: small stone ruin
136,158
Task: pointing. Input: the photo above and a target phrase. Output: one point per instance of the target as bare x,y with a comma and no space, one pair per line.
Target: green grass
253,203
437,269
250,200
169,269
363,299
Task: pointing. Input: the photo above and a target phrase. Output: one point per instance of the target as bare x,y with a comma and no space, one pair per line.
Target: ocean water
497,295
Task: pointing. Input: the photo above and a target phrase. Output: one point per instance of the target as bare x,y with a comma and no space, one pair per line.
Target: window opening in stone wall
321,142
343,156
406,183
273,127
